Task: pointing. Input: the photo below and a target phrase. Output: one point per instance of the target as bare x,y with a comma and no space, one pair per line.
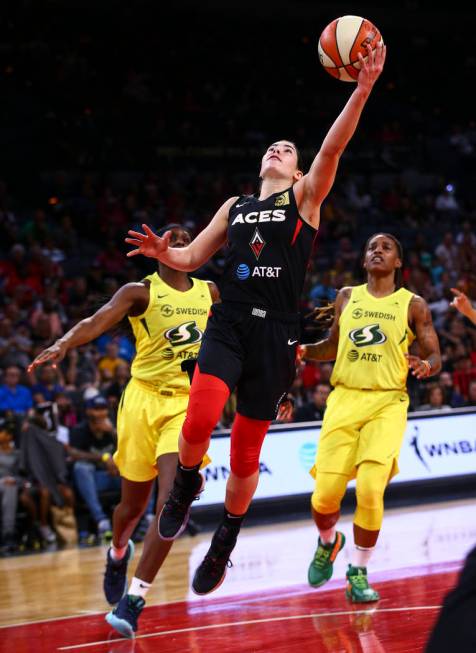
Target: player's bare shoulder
343,297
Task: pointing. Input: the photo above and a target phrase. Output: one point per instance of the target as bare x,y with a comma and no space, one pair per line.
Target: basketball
340,43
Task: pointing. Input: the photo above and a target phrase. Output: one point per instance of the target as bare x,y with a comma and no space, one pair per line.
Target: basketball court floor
52,602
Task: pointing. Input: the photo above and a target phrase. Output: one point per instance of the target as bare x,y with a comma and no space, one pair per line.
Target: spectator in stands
471,393
314,410
117,387
452,396
10,484
435,399
48,382
91,445
14,396
111,360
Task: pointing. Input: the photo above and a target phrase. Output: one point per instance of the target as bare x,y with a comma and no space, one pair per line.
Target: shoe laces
132,609
179,499
322,555
214,565
359,580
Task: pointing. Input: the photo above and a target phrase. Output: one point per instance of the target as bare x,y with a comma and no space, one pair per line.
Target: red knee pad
208,396
247,437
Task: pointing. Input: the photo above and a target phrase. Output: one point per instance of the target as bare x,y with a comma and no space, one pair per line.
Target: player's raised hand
371,66
53,354
148,243
461,302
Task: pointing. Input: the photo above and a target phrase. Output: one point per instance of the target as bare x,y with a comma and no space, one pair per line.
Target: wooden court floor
53,601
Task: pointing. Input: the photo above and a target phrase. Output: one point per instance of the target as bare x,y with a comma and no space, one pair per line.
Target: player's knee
369,519
371,484
244,465
199,422
325,503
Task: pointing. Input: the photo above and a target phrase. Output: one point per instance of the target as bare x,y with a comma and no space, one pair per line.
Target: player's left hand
286,410
419,368
371,66
316,323
148,243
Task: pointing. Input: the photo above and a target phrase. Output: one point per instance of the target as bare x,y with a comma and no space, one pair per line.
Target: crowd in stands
170,148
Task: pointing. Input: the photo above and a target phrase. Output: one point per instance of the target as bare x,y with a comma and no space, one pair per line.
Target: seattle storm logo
185,334
368,335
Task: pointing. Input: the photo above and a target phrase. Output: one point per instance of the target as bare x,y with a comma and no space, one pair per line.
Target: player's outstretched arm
462,303
429,361
311,190
326,350
130,296
186,259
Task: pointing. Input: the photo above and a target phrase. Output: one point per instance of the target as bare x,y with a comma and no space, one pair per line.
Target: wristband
427,364
105,457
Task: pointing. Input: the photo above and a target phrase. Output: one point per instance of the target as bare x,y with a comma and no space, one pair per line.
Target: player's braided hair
398,244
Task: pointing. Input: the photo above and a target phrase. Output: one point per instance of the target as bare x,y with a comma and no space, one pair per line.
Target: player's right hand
461,302
148,243
53,354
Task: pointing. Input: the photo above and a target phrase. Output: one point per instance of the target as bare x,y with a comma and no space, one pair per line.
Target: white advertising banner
433,447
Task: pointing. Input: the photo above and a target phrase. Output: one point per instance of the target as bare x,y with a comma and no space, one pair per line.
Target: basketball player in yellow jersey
168,311
365,420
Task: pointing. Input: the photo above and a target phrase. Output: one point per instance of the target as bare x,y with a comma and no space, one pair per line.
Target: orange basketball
340,43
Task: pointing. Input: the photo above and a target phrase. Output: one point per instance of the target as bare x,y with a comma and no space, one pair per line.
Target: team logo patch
282,200
353,355
167,354
166,310
184,334
242,271
368,335
257,243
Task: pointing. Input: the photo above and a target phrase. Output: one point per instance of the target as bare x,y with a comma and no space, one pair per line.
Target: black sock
231,520
187,476
230,527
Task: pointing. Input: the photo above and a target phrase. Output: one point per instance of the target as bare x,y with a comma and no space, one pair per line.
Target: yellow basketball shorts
149,421
361,425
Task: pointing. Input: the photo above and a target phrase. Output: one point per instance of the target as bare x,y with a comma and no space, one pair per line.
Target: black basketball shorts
253,350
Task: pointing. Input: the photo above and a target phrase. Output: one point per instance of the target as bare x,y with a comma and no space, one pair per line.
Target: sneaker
211,573
48,534
322,565
176,511
9,544
115,576
358,589
124,617
104,531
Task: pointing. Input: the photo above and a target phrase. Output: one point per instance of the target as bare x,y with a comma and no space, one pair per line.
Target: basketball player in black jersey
251,337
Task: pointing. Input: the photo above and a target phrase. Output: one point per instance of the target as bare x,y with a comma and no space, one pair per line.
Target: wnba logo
242,271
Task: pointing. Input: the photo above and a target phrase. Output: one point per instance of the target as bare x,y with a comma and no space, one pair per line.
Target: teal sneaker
322,565
358,589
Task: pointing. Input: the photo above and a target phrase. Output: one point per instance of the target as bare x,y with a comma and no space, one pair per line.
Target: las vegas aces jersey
269,246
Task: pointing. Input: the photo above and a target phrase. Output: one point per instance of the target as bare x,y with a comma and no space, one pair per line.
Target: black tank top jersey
269,246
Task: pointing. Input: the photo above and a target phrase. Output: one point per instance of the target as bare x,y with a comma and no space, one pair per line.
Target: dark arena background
116,114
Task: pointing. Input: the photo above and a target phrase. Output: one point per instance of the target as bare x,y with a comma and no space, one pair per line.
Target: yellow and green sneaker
358,589
321,567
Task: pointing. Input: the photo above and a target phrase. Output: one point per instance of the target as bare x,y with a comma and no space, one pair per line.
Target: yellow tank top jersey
169,331
374,337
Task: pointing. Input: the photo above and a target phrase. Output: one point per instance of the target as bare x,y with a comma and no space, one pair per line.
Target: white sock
139,587
117,553
361,556
328,536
